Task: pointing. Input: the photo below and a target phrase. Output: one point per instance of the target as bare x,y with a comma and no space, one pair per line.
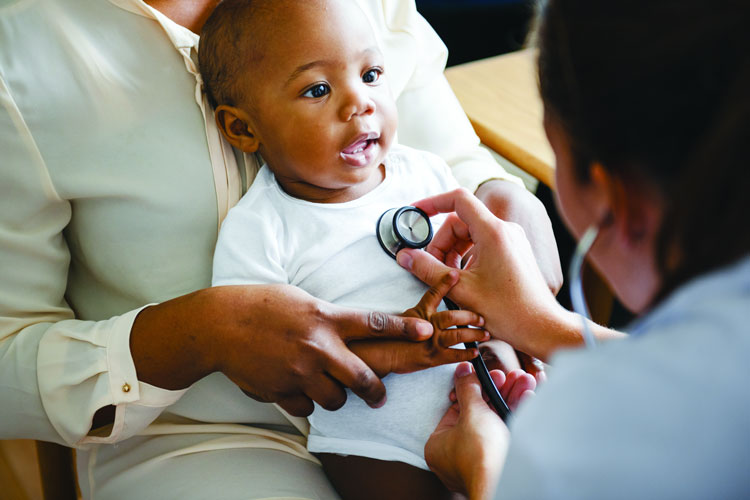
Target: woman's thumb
422,265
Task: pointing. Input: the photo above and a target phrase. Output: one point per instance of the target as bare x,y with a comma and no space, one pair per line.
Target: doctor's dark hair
657,90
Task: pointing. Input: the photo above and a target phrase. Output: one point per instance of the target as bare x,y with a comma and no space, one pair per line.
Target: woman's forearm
171,342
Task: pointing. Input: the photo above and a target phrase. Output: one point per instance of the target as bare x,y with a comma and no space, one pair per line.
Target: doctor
647,111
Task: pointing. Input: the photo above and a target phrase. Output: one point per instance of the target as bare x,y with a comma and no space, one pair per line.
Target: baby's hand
396,356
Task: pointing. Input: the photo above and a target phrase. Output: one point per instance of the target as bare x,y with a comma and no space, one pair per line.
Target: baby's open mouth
358,147
360,152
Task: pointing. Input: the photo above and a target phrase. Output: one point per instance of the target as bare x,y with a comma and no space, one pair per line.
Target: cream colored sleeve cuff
87,365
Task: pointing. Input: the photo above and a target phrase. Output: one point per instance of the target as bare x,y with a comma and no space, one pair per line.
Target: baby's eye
372,75
317,91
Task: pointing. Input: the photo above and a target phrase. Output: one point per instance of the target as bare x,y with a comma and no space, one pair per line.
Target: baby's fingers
460,317
432,298
448,356
453,336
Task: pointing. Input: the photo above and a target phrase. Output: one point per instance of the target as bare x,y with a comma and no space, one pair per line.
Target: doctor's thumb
468,389
422,265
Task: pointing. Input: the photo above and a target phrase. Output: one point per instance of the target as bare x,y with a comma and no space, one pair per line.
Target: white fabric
663,414
113,183
331,251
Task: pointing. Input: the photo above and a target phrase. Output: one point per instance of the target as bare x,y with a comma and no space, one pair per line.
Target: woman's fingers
352,372
298,406
353,325
327,392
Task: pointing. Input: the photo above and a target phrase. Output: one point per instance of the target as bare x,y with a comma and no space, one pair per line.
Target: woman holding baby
118,181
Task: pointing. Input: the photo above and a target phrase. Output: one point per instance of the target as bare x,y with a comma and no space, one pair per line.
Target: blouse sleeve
55,371
430,116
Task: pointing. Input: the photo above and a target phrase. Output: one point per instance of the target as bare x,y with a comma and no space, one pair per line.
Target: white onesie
331,251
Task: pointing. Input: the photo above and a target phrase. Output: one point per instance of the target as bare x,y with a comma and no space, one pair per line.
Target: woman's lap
161,467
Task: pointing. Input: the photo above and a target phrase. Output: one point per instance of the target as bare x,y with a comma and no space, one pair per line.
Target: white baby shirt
332,252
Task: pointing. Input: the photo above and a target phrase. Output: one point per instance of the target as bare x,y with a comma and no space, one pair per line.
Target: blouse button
126,387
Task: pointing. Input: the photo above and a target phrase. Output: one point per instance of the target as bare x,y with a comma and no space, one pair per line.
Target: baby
303,84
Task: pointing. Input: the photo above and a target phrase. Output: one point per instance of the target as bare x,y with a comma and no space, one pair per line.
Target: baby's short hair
229,44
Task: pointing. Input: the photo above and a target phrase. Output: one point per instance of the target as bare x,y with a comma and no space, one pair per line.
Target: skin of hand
513,203
467,449
499,355
514,387
276,342
502,282
396,356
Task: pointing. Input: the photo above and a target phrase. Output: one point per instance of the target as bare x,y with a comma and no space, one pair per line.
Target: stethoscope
410,227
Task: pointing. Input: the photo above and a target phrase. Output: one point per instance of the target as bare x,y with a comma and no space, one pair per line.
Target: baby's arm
397,356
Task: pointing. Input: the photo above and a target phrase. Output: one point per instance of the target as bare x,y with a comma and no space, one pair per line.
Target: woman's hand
502,282
276,342
402,356
467,449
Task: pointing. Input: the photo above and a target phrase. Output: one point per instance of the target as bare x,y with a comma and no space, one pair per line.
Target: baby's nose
358,102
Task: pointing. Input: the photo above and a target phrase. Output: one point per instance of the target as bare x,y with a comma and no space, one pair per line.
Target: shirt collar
180,36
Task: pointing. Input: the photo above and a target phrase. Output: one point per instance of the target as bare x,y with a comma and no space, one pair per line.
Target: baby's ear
234,124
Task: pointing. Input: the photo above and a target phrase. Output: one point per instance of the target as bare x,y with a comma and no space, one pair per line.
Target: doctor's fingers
517,385
451,242
423,265
467,206
468,390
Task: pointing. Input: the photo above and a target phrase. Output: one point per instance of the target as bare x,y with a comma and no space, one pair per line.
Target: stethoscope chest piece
405,227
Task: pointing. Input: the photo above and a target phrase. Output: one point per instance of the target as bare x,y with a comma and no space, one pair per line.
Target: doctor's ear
234,124
628,207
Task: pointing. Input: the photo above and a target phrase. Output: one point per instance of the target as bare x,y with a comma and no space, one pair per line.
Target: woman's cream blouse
113,183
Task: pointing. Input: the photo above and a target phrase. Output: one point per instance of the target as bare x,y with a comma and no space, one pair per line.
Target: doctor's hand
502,282
402,356
276,342
467,449
512,203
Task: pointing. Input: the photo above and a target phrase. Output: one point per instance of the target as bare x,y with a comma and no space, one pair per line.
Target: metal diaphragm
405,227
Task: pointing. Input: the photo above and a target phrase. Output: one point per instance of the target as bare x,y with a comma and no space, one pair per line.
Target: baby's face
323,113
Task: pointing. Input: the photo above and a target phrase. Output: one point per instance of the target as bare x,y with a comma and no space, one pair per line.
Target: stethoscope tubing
392,242
483,373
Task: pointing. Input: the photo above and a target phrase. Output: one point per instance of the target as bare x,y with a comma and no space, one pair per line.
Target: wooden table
501,98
